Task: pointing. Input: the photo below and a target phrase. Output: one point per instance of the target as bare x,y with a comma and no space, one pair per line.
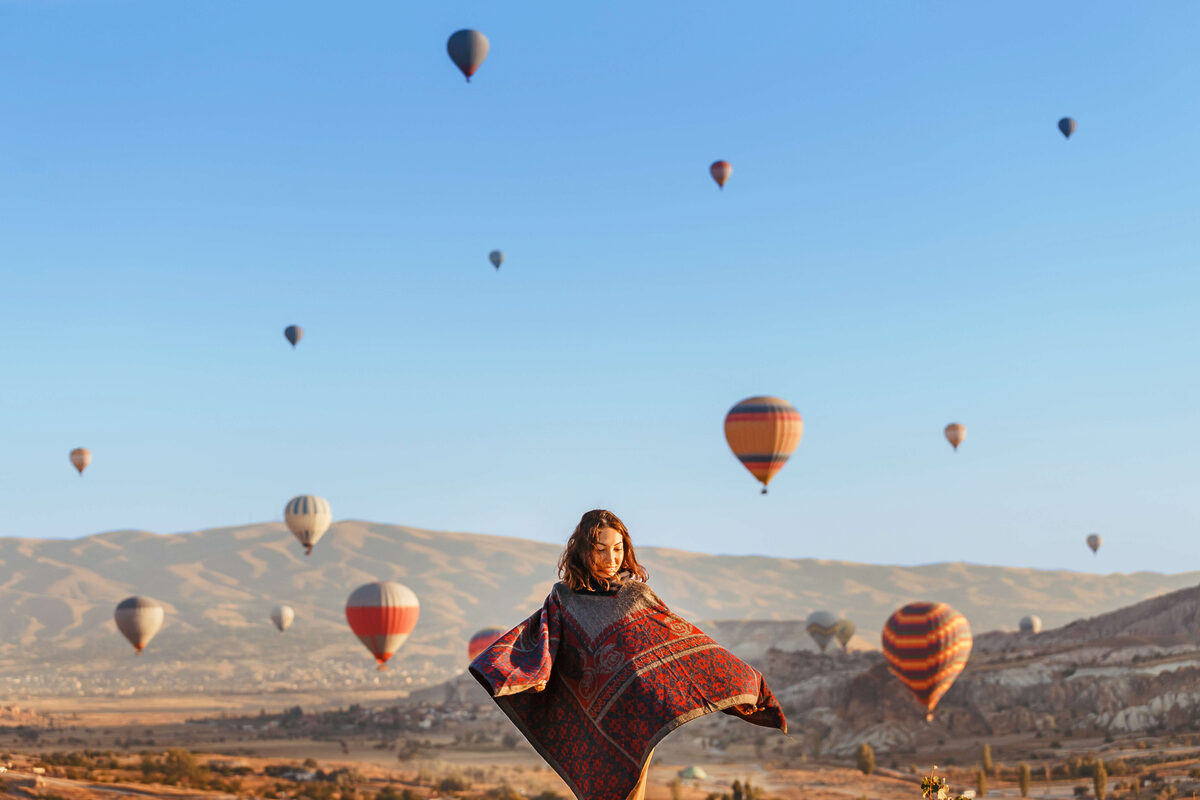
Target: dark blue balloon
293,333
1067,126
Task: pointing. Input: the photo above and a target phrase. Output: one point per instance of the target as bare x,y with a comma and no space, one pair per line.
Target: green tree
980,783
1100,780
676,788
866,758
986,759
1024,775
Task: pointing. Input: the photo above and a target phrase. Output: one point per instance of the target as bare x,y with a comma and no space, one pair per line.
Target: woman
604,670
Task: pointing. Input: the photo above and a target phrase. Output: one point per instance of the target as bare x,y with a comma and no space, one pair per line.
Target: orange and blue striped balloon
926,646
762,432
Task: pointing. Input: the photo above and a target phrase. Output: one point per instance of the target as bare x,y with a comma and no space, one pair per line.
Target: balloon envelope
283,616
1067,126
1093,541
822,626
1031,624
139,618
293,333
482,640
956,432
80,458
467,49
720,171
845,632
382,615
762,432
496,257
926,646
308,517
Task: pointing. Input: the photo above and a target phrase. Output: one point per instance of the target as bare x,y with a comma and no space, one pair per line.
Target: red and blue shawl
594,682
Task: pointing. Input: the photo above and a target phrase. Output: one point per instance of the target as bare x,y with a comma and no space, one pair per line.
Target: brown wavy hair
575,563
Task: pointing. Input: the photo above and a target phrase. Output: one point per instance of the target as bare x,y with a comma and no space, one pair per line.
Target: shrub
980,783
1023,777
986,759
1100,780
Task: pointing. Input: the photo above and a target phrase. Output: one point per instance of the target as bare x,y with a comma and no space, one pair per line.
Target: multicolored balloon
822,626
1030,624
1093,541
720,171
845,632
382,615
956,432
926,646
762,432
293,333
139,618
482,640
308,517
496,257
282,616
467,49
1067,126
80,458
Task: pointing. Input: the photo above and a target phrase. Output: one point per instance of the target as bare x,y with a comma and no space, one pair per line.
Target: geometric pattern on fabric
594,682
763,432
927,645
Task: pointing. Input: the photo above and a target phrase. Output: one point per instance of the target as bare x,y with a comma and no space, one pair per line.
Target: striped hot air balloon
763,432
308,517
822,626
138,619
482,641
926,646
382,615
845,632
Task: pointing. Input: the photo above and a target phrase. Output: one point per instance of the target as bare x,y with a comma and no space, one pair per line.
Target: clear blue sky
907,240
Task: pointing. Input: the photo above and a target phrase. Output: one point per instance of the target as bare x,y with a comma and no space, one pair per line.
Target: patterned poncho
594,682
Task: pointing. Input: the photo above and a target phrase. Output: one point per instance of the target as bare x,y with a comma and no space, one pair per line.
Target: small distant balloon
467,49
482,640
382,615
1067,126
308,517
1031,624
762,432
293,333
1093,541
822,626
80,458
845,632
138,619
955,434
283,616
721,170
496,257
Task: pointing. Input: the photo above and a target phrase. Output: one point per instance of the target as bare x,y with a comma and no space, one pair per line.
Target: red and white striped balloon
382,615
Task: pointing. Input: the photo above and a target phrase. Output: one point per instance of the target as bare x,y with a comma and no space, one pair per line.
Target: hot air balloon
282,616
496,257
139,618
80,458
482,640
1067,126
1031,624
721,170
822,626
1093,541
308,516
763,432
467,49
382,615
845,632
955,433
926,646
293,333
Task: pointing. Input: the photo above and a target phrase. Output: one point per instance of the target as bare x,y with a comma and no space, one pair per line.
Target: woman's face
608,553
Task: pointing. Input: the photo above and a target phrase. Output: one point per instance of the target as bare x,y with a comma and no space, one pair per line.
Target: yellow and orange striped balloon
927,645
762,432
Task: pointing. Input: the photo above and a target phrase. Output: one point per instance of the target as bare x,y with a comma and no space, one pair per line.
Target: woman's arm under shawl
521,659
